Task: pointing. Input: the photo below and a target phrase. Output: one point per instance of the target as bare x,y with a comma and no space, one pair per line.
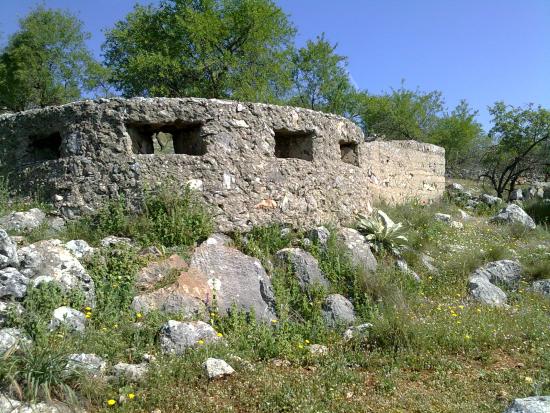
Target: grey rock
505,272
56,223
356,331
358,249
79,248
481,290
305,267
542,287
455,187
11,338
131,372
535,404
8,405
338,310
87,363
428,263
318,349
490,199
216,368
13,284
23,221
446,218
112,241
402,266
319,235
175,337
472,203
219,240
8,251
464,216
52,259
516,195
9,308
512,214
235,278
69,318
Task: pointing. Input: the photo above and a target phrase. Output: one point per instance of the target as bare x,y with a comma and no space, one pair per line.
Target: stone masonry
252,163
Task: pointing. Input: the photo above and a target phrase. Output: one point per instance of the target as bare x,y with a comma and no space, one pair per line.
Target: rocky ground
155,313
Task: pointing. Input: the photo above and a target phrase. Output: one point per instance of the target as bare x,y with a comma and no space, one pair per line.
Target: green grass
430,349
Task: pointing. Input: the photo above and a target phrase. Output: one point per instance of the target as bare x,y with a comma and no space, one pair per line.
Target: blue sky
480,50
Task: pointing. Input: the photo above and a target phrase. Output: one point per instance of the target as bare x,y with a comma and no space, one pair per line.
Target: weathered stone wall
252,163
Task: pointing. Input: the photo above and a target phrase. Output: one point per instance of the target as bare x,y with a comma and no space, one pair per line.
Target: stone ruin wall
252,163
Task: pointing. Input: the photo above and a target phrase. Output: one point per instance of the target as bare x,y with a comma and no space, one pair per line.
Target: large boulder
358,249
513,214
187,296
175,337
304,266
52,260
481,290
23,221
505,272
338,310
13,284
535,404
235,279
8,251
160,271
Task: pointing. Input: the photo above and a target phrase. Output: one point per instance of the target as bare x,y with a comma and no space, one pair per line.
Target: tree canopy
208,48
46,62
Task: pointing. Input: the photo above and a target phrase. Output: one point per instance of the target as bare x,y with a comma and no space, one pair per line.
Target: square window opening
44,147
349,153
294,144
172,138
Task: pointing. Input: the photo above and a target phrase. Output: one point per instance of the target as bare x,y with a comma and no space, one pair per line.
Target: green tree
401,114
210,48
45,62
456,132
320,78
520,137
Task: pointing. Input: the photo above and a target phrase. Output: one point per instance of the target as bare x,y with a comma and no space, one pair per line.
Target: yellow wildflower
111,402
220,335
528,380
88,309
300,346
306,341
467,337
200,342
88,315
131,396
139,315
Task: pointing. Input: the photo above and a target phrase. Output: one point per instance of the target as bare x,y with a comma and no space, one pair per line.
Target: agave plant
382,233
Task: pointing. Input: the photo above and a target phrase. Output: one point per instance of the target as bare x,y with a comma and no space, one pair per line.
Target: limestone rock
11,338
490,199
71,319
319,235
428,263
112,241
542,287
481,289
235,279
8,405
51,259
305,267
464,216
8,251
216,368
23,221
338,310
79,248
506,272
159,271
446,218
187,296
512,214
88,363
356,331
516,195
219,240
358,249
176,337
318,350
402,266
13,284
131,372
8,308
535,404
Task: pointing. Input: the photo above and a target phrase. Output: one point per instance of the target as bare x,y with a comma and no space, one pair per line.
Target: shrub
539,210
382,233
